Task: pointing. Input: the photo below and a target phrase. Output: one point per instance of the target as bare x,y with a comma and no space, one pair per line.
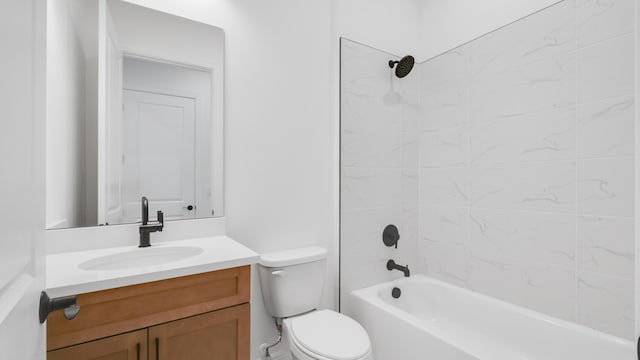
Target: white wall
445,24
162,36
65,114
390,26
543,212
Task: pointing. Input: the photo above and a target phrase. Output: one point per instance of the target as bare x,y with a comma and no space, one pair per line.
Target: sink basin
140,258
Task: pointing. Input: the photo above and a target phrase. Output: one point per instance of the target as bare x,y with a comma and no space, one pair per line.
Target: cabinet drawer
115,311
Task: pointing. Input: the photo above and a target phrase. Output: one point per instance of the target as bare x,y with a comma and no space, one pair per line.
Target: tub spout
391,265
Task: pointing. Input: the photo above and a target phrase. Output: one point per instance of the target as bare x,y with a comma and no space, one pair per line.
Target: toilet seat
328,335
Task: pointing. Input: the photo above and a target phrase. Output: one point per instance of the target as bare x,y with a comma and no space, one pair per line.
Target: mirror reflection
133,110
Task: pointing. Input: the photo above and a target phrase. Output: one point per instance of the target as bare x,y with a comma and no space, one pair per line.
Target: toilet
291,283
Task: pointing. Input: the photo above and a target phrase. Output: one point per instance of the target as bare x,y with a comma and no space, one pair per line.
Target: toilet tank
292,280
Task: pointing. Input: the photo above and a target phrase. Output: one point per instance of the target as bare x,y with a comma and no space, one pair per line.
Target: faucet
146,229
391,265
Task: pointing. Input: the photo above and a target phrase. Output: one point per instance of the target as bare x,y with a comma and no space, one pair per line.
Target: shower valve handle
390,236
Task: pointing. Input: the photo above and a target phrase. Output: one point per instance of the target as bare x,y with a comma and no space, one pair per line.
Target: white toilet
292,283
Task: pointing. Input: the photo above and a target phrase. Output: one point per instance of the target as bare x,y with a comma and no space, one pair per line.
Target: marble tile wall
526,164
379,167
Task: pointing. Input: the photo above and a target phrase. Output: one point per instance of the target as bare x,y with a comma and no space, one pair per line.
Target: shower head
404,66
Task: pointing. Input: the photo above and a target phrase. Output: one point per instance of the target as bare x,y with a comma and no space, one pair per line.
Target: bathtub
433,320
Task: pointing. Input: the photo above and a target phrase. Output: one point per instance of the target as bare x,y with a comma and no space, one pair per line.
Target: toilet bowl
326,335
291,283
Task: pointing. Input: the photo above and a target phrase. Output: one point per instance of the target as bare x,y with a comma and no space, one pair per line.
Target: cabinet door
130,346
218,335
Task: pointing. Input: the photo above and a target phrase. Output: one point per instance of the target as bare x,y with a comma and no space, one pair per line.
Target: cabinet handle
157,349
138,351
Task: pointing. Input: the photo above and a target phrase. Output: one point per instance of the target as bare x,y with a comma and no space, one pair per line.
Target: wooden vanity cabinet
203,316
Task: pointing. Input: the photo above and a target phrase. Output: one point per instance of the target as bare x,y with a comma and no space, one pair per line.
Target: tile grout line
468,251
636,293
575,114
421,266
601,41
509,118
492,165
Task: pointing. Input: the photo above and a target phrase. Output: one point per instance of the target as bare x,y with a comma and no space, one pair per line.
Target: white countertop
65,277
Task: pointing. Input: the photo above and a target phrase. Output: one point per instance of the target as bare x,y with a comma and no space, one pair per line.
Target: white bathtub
433,320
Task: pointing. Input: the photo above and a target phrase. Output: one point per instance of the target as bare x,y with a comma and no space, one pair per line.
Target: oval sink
141,258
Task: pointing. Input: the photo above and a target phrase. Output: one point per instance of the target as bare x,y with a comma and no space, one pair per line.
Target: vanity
184,299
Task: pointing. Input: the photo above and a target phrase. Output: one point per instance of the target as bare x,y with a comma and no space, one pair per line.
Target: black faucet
146,229
391,265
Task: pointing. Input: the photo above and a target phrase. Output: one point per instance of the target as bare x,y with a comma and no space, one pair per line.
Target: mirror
134,108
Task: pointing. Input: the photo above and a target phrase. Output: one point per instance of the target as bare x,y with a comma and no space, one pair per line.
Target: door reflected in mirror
134,108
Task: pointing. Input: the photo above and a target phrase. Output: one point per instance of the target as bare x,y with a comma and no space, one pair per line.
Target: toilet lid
330,334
